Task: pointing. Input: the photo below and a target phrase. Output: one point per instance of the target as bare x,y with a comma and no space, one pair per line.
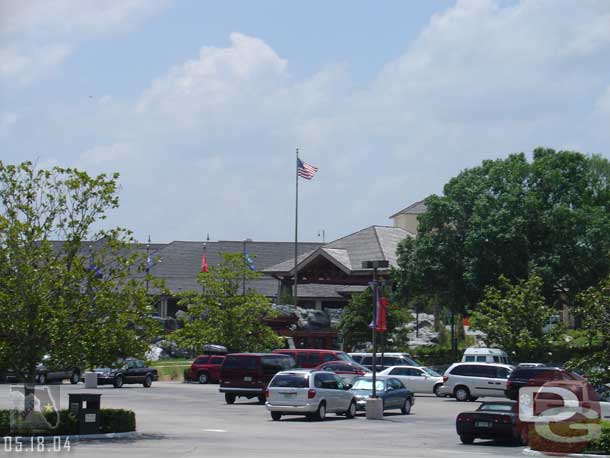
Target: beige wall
406,221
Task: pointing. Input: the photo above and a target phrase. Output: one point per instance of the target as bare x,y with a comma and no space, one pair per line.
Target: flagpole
296,229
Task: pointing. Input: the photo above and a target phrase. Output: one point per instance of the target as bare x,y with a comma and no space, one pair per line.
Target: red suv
313,357
206,368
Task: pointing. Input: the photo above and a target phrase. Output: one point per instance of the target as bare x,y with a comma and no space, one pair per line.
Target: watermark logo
559,416
35,408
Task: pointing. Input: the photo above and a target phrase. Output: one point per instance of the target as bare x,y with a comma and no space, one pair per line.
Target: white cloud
39,35
209,146
36,63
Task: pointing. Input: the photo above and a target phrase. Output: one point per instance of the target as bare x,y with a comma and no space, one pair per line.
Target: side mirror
389,388
347,386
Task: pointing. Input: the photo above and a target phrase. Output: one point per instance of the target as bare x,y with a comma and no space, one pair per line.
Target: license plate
289,395
483,424
247,379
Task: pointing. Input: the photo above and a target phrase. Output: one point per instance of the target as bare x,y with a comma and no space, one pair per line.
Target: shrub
117,421
111,421
602,443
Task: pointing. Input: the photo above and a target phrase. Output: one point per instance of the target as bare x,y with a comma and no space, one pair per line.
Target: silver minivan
469,381
310,393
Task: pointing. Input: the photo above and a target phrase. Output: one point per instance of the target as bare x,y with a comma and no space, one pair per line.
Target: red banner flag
381,314
204,263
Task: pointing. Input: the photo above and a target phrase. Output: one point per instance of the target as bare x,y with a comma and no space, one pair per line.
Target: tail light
360,373
311,394
267,393
508,383
502,419
445,378
465,417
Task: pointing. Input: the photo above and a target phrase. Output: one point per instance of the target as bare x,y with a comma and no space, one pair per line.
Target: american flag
305,170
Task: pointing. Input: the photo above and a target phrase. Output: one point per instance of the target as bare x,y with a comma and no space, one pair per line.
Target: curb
529,452
87,437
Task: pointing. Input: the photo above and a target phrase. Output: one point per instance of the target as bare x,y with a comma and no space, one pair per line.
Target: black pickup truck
130,370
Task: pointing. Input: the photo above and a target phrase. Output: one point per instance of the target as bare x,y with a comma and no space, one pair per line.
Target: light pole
246,262
374,405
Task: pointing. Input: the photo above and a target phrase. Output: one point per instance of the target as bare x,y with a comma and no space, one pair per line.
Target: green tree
513,317
221,314
594,308
358,314
549,217
81,305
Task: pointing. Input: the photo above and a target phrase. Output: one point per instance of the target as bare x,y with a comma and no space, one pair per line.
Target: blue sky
200,105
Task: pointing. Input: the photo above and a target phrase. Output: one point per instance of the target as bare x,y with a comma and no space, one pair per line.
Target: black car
49,371
495,420
535,376
129,371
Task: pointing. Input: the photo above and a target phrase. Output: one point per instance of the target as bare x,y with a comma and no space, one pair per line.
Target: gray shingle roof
371,243
179,263
416,208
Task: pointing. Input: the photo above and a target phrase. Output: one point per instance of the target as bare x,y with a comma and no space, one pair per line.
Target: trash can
86,409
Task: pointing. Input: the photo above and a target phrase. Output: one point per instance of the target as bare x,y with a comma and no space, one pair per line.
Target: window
328,357
431,372
503,372
367,360
499,407
239,362
497,359
291,381
140,364
202,360
469,359
367,384
217,360
481,359
331,367
394,383
307,358
271,364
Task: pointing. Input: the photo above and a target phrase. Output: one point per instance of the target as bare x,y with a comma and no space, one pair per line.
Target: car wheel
276,416
42,379
148,381
406,407
202,378
461,393
229,398
467,439
436,390
320,414
118,381
75,378
351,411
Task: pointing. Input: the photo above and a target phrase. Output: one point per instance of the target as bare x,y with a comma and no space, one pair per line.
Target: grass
171,370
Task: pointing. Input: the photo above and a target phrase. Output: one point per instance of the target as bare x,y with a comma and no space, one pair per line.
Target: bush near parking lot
602,444
111,421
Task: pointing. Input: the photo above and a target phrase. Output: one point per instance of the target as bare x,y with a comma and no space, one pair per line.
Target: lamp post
374,405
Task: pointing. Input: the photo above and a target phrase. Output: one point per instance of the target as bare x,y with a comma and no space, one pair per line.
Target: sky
200,105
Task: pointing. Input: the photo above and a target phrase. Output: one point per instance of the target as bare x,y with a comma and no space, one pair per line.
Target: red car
347,371
206,368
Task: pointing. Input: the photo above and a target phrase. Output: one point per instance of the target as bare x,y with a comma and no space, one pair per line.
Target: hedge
602,443
111,421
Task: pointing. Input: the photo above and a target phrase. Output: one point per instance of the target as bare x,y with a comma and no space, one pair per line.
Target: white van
485,355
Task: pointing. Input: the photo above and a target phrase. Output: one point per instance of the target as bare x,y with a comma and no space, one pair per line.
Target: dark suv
248,374
535,376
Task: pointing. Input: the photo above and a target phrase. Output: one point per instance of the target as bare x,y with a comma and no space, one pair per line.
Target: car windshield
367,384
431,372
497,407
290,381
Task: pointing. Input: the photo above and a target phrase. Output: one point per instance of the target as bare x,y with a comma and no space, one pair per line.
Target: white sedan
418,379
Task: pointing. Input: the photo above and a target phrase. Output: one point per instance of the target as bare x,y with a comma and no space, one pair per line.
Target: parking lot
192,420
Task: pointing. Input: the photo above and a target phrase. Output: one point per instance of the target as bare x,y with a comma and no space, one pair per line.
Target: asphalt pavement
177,420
